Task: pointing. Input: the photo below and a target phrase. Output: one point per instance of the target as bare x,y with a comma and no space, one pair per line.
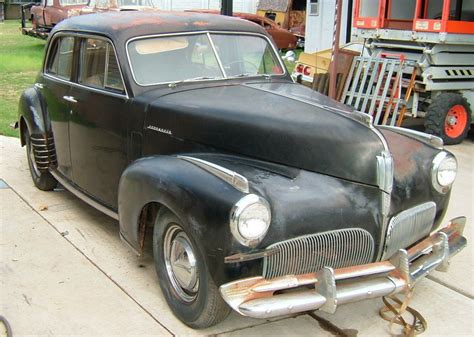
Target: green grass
20,61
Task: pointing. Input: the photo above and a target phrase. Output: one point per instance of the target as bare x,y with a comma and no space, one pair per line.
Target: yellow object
319,61
280,17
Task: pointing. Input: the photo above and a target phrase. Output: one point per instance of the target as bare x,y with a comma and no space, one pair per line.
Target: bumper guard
255,296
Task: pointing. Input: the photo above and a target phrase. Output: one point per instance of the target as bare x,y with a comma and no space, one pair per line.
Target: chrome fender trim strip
238,181
421,136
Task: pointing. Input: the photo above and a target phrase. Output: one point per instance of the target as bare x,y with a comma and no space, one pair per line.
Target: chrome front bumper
255,297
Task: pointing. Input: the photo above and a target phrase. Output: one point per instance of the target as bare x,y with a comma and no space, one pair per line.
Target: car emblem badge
155,128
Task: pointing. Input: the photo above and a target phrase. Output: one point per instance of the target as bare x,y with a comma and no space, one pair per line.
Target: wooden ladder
374,86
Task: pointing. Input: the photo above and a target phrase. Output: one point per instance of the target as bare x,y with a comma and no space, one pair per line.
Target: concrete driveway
64,271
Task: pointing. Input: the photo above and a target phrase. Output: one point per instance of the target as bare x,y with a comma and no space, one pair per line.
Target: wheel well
146,220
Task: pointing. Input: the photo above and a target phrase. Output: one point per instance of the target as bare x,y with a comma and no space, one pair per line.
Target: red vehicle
45,15
283,38
440,16
48,13
96,6
438,37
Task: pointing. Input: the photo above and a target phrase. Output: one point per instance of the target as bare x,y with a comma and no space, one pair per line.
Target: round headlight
249,220
444,171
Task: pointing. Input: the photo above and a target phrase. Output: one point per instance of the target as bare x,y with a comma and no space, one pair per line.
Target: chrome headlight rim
438,160
236,213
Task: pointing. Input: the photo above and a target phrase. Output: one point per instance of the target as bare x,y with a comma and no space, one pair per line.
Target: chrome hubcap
181,264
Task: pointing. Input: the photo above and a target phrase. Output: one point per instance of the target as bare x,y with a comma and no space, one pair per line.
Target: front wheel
449,117
184,277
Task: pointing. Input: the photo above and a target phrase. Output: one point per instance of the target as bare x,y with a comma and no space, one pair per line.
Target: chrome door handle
70,99
39,85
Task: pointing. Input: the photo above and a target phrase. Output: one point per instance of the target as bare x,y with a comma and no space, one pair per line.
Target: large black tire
449,117
43,180
201,306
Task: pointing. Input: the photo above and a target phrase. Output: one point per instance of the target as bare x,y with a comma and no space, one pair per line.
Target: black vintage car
188,128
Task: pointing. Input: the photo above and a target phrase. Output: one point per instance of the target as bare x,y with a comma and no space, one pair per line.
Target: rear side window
61,56
99,67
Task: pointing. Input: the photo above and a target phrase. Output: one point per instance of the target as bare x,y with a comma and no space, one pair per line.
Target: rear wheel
449,117
43,180
184,277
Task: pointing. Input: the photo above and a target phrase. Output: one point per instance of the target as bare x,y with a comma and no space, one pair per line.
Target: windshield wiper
243,75
175,83
267,76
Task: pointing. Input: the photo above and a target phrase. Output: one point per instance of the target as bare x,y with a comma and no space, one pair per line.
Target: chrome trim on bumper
254,297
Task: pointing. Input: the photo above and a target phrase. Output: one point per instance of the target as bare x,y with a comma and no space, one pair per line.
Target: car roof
129,24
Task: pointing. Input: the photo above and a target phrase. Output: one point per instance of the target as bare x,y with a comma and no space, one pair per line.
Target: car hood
284,123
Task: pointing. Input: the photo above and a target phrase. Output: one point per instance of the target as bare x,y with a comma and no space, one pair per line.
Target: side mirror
290,56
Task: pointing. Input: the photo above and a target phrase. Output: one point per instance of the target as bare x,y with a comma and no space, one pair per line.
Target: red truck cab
49,12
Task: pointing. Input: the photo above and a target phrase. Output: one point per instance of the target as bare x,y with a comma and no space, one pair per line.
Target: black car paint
328,180
31,108
98,139
298,132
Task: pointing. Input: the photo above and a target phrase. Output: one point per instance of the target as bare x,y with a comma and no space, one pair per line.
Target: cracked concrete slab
461,272
49,288
446,311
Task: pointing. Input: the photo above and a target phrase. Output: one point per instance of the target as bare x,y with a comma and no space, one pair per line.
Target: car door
55,89
98,121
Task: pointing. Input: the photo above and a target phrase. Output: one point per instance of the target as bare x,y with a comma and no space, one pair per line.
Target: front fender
198,198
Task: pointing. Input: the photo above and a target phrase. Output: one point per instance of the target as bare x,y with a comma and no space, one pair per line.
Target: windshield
201,57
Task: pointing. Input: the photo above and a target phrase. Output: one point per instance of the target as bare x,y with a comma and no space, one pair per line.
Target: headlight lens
250,219
444,171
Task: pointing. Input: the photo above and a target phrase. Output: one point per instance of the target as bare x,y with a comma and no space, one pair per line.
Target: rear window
99,67
61,56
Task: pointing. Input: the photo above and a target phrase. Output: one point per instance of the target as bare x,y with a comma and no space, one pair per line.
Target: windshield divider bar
217,55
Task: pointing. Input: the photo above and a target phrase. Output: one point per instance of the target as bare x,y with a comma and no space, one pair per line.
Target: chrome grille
310,253
408,227
44,152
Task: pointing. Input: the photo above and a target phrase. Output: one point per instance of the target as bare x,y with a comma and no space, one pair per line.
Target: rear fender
31,115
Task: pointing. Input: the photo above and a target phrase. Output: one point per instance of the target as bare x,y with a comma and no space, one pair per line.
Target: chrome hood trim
434,141
238,181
